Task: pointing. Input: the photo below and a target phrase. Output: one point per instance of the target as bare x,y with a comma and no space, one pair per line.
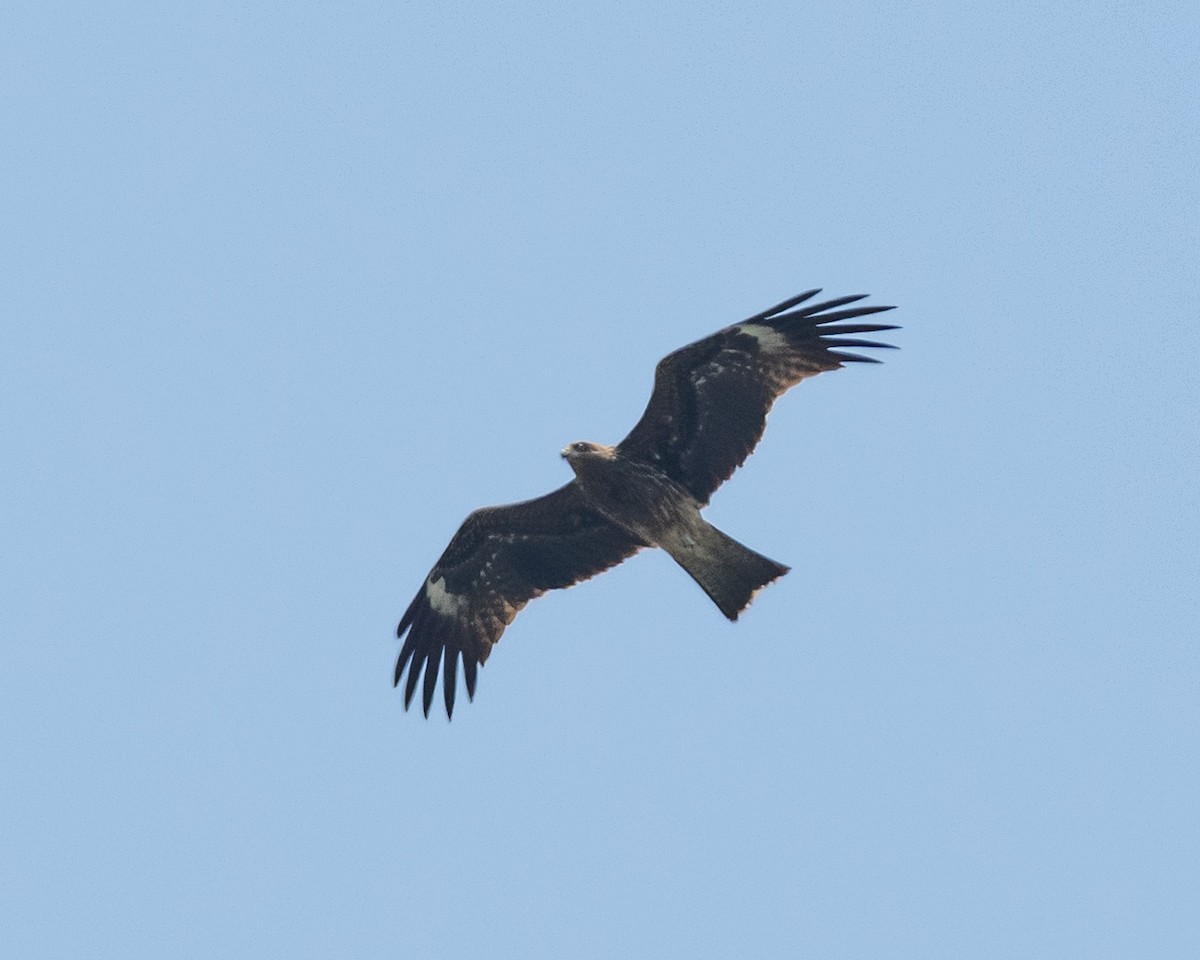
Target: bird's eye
580,447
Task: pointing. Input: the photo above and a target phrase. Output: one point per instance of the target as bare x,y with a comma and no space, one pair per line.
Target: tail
728,572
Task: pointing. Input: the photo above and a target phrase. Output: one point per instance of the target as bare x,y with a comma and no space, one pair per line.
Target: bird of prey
707,412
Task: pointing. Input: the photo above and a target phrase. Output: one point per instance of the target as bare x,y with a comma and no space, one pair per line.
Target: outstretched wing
711,398
499,560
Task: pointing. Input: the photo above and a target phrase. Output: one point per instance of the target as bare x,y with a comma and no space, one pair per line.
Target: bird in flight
707,412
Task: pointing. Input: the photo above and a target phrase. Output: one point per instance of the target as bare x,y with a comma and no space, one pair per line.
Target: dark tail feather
731,574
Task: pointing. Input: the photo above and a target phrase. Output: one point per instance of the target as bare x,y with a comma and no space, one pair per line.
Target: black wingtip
450,682
855,342
819,308
853,357
823,319
859,328
401,661
409,614
832,332
433,665
786,305
410,685
470,667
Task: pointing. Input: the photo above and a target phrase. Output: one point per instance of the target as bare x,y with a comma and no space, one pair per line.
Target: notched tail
730,573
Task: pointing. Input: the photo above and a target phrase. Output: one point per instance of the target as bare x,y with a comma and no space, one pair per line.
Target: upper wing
499,560
711,398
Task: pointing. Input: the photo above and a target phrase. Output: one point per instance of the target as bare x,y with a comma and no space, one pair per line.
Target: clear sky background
289,289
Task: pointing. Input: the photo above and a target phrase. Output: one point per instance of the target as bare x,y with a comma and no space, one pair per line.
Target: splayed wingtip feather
470,666
853,357
855,342
450,681
414,673
785,305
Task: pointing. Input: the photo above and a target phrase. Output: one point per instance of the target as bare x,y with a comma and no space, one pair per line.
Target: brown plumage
707,412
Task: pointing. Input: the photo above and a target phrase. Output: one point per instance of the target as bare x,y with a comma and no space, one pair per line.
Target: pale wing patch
769,340
442,600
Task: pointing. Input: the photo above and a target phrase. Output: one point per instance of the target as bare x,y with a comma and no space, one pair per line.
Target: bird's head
584,449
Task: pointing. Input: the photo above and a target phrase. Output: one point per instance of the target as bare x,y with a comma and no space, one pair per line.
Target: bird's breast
636,496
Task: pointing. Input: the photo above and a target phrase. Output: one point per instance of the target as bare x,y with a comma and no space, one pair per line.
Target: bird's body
635,495
706,413
656,511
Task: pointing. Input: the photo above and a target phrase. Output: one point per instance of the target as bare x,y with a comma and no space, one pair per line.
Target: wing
499,560
711,398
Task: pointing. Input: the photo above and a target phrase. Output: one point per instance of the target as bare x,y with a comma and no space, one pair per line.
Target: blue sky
290,289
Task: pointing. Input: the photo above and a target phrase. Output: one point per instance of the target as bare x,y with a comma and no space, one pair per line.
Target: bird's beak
563,452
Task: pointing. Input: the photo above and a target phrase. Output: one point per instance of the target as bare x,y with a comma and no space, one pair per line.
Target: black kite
707,412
